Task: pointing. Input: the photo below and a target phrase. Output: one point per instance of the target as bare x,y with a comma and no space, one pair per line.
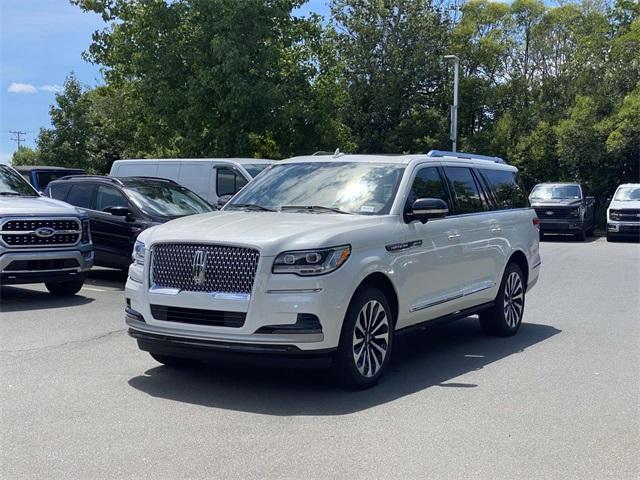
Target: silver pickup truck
41,240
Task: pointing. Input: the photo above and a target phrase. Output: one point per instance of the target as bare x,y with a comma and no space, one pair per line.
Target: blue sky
41,41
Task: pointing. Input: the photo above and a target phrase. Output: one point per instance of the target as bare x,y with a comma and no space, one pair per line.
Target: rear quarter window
504,189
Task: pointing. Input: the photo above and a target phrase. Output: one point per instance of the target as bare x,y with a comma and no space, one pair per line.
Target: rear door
476,268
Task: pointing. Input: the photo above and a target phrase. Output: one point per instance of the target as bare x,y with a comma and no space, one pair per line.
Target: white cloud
50,88
16,87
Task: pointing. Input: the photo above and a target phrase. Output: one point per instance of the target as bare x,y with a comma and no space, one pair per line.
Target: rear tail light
536,223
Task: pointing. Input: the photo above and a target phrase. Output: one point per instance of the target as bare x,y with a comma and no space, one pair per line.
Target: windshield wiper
311,208
252,206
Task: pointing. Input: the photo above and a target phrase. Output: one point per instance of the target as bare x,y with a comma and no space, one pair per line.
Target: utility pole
17,138
454,109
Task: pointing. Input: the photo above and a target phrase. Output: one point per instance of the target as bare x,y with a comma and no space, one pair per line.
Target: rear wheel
65,289
365,340
505,317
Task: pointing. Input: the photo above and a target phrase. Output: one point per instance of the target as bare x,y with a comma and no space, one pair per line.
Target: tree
25,156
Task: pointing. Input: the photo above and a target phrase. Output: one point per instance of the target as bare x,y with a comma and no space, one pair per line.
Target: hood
618,205
35,207
556,202
270,232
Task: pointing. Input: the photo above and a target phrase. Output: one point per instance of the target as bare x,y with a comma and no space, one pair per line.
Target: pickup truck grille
204,268
26,232
555,212
626,215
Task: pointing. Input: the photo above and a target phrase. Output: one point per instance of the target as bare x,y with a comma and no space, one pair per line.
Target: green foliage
25,156
554,89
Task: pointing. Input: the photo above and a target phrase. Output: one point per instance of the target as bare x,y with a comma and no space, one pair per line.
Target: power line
17,138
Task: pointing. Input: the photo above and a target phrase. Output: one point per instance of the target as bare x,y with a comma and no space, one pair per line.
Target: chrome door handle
496,230
454,236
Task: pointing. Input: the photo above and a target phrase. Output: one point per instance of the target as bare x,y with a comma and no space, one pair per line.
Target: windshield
12,184
255,168
627,194
166,199
352,187
556,192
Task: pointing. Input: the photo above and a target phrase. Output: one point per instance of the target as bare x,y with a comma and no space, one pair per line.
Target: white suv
322,260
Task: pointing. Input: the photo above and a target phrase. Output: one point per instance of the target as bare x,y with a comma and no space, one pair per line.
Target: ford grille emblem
45,232
199,266
549,212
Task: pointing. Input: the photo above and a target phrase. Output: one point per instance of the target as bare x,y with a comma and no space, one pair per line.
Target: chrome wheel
371,338
513,300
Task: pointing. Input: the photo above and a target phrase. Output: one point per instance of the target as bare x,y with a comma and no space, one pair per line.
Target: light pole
454,110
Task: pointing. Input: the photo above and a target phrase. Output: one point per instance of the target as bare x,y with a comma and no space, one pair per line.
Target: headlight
312,262
139,251
86,231
574,212
614,215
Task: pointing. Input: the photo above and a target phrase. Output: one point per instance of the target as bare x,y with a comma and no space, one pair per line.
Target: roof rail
470,156
147,177
105,177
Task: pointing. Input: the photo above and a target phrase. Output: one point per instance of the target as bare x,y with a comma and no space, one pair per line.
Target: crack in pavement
60,345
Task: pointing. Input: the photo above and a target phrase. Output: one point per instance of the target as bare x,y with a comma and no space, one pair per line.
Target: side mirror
118,211
424,209
222,201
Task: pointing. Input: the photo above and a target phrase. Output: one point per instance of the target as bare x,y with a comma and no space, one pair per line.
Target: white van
214,179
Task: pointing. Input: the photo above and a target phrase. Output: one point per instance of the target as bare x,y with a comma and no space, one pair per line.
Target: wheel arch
520,259
382,282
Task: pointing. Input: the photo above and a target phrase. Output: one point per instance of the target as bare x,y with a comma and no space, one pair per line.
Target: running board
447,318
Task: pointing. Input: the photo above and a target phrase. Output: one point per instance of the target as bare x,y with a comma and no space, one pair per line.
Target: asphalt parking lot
559,400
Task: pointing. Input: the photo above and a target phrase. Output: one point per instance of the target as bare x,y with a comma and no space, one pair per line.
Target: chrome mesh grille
227,269
22,232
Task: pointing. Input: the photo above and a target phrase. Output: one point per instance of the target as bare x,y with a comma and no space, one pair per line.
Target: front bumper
627,229
280,353
561,225
40,266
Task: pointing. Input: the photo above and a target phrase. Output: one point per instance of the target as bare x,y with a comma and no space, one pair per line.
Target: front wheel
65,289
170,361
365,340
505,317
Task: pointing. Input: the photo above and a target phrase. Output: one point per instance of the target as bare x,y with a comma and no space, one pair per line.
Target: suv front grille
204,268
26,232
196,316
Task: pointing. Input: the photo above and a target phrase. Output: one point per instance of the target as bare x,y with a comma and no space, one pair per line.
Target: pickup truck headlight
312,262
139,251
614,215
86,231
575,212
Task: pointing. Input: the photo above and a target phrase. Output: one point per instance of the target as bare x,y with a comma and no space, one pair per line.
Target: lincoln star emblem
199,266
549,212
45,232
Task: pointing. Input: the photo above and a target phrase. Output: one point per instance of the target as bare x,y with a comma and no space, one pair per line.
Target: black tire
610,238
541,236
355,344
504,318
592,231
581,236
172,362
64,289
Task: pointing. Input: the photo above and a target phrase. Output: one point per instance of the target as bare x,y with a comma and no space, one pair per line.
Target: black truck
564,208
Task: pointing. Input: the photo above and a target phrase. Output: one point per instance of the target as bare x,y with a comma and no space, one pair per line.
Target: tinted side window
80,195
505,189
465,190
427,184
59,190
109,197
228,182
